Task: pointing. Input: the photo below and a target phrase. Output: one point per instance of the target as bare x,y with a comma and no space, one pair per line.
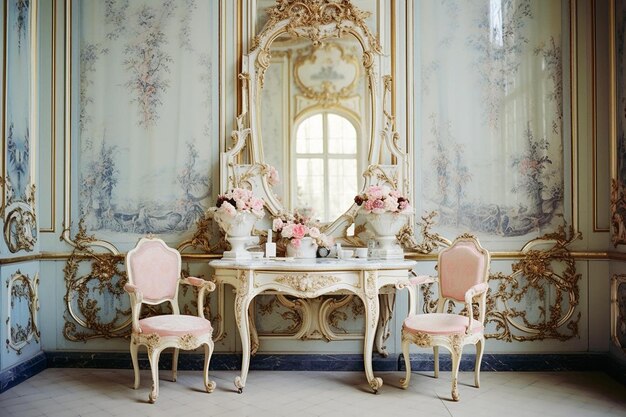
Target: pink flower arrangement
380,199
296,228
240,200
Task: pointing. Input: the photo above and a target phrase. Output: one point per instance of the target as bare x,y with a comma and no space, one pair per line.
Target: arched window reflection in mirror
327,155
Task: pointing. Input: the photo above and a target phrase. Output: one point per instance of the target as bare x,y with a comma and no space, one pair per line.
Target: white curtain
489,115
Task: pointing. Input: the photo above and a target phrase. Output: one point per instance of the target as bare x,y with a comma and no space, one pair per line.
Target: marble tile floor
66,392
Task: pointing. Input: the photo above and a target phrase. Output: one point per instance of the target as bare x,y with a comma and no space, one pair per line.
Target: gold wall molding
618,310
537,273
85,315
22,287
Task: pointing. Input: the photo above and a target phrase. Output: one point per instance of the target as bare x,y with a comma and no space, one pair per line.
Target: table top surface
312,265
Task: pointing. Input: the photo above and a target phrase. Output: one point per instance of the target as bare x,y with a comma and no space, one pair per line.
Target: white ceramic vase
238,230
385,227
307,249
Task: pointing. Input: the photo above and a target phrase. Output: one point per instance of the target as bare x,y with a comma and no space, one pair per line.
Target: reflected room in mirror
314,118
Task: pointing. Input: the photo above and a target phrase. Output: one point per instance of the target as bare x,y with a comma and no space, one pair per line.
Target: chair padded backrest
154,268
461,266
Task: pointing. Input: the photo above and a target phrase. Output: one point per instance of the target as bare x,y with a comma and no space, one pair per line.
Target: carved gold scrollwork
618,310
106,316
531,275
370,284
20,224
188,342
21,288
618,212
418,338
430,241
205,227
307,17
152,341
307,282
327,94
241,293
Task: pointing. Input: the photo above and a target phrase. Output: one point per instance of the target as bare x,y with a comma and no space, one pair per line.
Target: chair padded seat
440,323
175,325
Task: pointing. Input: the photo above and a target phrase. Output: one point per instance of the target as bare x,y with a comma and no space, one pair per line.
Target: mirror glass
315,115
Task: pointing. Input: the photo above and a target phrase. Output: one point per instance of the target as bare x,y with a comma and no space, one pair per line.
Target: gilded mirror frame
318,21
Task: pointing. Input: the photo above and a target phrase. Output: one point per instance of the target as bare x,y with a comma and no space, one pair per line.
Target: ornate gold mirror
316,109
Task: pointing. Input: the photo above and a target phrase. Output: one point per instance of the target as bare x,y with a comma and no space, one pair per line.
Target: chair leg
436,358
404,382
208,351
175,365
456,361
153,357
133,355
480,345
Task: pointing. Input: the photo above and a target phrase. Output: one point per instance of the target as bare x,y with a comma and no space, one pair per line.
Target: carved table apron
309,279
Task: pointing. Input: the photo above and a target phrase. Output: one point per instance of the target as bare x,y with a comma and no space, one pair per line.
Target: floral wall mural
146,81
491,77
18,117
20,229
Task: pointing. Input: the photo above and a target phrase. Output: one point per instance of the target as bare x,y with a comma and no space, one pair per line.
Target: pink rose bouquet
240,200
379,199
297,227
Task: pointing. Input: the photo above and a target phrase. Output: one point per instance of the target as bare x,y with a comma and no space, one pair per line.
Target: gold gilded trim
536,274
304,17
326,95
53,121
4,107
594,122
18,337
83,319
573,23
618,309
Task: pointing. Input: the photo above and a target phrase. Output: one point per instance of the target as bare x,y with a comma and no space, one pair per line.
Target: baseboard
224,361
22,371
502,362
317,362
616,369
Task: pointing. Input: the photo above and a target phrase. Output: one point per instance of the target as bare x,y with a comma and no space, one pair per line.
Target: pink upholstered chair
463,273
153,278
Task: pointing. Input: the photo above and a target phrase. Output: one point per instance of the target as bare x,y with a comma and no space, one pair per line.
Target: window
326,165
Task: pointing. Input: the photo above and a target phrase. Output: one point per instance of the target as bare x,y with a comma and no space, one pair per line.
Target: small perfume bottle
371,246
270,246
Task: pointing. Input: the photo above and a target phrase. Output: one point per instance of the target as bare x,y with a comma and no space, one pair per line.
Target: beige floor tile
100,392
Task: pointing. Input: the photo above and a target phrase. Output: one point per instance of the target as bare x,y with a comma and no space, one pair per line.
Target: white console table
309,279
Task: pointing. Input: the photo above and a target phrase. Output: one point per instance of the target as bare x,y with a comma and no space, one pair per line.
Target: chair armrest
203,286
418,280
136,298
136,295
199,282
477,289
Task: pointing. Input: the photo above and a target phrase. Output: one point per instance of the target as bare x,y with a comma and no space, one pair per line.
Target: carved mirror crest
317,109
